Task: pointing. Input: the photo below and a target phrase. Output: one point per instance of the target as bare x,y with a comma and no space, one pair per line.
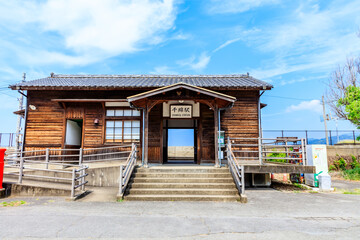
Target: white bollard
324,182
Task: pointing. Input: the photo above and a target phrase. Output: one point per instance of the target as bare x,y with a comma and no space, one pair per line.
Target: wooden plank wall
155,135
44,127
207,147
242,119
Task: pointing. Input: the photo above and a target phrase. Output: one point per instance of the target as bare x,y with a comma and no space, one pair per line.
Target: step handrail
127,170
236,170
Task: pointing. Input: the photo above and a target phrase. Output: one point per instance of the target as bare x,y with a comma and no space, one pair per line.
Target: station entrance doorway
180,141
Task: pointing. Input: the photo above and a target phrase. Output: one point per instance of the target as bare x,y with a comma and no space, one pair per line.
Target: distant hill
333,139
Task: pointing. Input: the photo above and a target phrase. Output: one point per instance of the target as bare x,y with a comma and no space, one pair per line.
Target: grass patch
355,192
297,185
120,200
352,174
12,203
312,191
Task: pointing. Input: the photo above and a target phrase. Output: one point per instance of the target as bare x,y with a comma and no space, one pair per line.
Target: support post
82,179
303,151
146,135
73,183
47,158
21,170
121,181
216,109
325,119
242,179
260,151
80,156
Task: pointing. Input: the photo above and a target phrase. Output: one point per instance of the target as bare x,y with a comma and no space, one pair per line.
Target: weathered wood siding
241,121
44,126
207,135
155,134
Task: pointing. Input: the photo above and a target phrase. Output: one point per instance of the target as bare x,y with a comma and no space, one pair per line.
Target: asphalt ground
269,214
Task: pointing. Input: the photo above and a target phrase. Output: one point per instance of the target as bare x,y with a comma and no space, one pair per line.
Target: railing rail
269,150
126,170
237,171
68,165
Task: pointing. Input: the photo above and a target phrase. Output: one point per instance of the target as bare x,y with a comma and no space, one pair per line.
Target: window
122,125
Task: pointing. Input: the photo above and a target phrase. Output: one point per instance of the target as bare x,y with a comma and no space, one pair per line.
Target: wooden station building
87,111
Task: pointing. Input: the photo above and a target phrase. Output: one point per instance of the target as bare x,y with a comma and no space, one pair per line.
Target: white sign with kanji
180,111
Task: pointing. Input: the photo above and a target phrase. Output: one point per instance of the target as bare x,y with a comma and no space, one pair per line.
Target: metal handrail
127,170
266,150
237,171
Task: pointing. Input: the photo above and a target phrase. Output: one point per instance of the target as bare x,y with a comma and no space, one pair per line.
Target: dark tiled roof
142,81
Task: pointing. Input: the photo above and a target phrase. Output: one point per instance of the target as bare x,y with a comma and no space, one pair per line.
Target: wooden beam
88,100
146,136
216,122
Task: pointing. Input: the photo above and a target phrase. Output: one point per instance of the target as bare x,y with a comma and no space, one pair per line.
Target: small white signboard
180,111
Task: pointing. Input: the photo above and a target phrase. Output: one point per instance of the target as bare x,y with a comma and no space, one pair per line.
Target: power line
302,99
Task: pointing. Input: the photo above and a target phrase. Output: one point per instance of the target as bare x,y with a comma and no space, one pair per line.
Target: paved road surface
270,214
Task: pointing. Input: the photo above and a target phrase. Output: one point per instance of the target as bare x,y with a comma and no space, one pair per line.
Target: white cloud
226,44
313,106
237,6
164,70
196,63
88,30
310,39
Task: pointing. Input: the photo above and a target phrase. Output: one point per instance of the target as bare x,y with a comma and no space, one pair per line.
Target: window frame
123,119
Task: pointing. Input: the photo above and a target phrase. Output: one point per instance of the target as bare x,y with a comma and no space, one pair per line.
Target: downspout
259,115
219,129
25,118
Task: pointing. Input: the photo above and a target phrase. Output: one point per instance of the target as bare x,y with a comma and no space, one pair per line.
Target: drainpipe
259,115
25,118
219,129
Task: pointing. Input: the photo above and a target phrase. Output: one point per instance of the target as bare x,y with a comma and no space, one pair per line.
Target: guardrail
237,171
260,151
60,173
74,156
126,171
8,139
68,165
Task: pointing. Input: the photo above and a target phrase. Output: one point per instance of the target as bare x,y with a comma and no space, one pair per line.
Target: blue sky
295,45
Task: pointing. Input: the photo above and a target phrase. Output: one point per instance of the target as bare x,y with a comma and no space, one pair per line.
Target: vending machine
316,156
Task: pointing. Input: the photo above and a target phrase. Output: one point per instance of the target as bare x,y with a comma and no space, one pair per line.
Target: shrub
352,174
354,164
277,155
340,164
332,167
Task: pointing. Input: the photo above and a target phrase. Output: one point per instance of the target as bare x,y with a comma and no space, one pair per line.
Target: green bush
354,164
277,155
352,174
340,164
332,167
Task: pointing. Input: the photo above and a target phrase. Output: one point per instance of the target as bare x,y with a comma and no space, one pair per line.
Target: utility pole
325,119
18,127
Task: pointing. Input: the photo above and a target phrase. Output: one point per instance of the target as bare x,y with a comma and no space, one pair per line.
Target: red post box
2,154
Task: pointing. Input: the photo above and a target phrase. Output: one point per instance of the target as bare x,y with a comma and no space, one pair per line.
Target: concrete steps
183,183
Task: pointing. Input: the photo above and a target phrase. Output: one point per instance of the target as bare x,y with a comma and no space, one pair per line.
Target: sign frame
181,116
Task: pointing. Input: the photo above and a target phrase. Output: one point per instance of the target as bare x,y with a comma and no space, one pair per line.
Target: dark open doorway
180,141
73,135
